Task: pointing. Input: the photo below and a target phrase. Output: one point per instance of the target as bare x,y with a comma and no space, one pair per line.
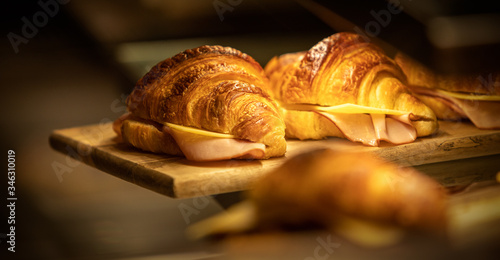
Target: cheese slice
242,217
367,233
469,96
197,131
347,108
238,218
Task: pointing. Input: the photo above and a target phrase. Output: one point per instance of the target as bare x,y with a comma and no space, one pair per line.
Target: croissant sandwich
340,191
208,103
346,87
455,97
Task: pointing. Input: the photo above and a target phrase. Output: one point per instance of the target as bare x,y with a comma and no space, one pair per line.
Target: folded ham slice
204,148
370,129
483,113
455,97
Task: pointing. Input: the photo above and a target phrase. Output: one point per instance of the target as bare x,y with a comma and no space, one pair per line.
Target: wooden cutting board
441,155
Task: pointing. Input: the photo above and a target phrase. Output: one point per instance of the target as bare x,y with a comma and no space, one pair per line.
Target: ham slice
197,147
204,148
369,129
355,127
399,129
483,113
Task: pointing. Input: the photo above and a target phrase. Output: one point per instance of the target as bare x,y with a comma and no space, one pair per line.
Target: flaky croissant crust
486,83
343,68
213,88
341,60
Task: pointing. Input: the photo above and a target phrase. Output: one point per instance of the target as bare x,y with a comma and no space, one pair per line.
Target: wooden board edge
463,148
102,160
463,171
157,181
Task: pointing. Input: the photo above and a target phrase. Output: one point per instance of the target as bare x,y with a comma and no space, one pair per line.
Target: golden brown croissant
455,97
218,90
343,69
335,189
324,185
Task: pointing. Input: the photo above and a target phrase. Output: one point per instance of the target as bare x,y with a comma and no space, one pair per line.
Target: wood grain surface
458,154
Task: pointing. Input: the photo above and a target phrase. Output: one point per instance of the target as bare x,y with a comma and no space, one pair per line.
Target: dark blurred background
71,63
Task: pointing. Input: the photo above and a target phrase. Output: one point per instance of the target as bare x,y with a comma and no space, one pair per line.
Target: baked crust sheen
214,88
322,186
343,68
487,83
420,76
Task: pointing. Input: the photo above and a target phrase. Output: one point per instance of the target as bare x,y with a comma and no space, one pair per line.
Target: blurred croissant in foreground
353,194
346,87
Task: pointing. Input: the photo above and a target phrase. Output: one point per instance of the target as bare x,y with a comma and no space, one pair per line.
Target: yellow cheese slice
368,233
238,218
469,96
198,131
346,109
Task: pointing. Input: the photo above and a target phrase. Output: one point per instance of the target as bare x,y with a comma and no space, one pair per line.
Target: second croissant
346,87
